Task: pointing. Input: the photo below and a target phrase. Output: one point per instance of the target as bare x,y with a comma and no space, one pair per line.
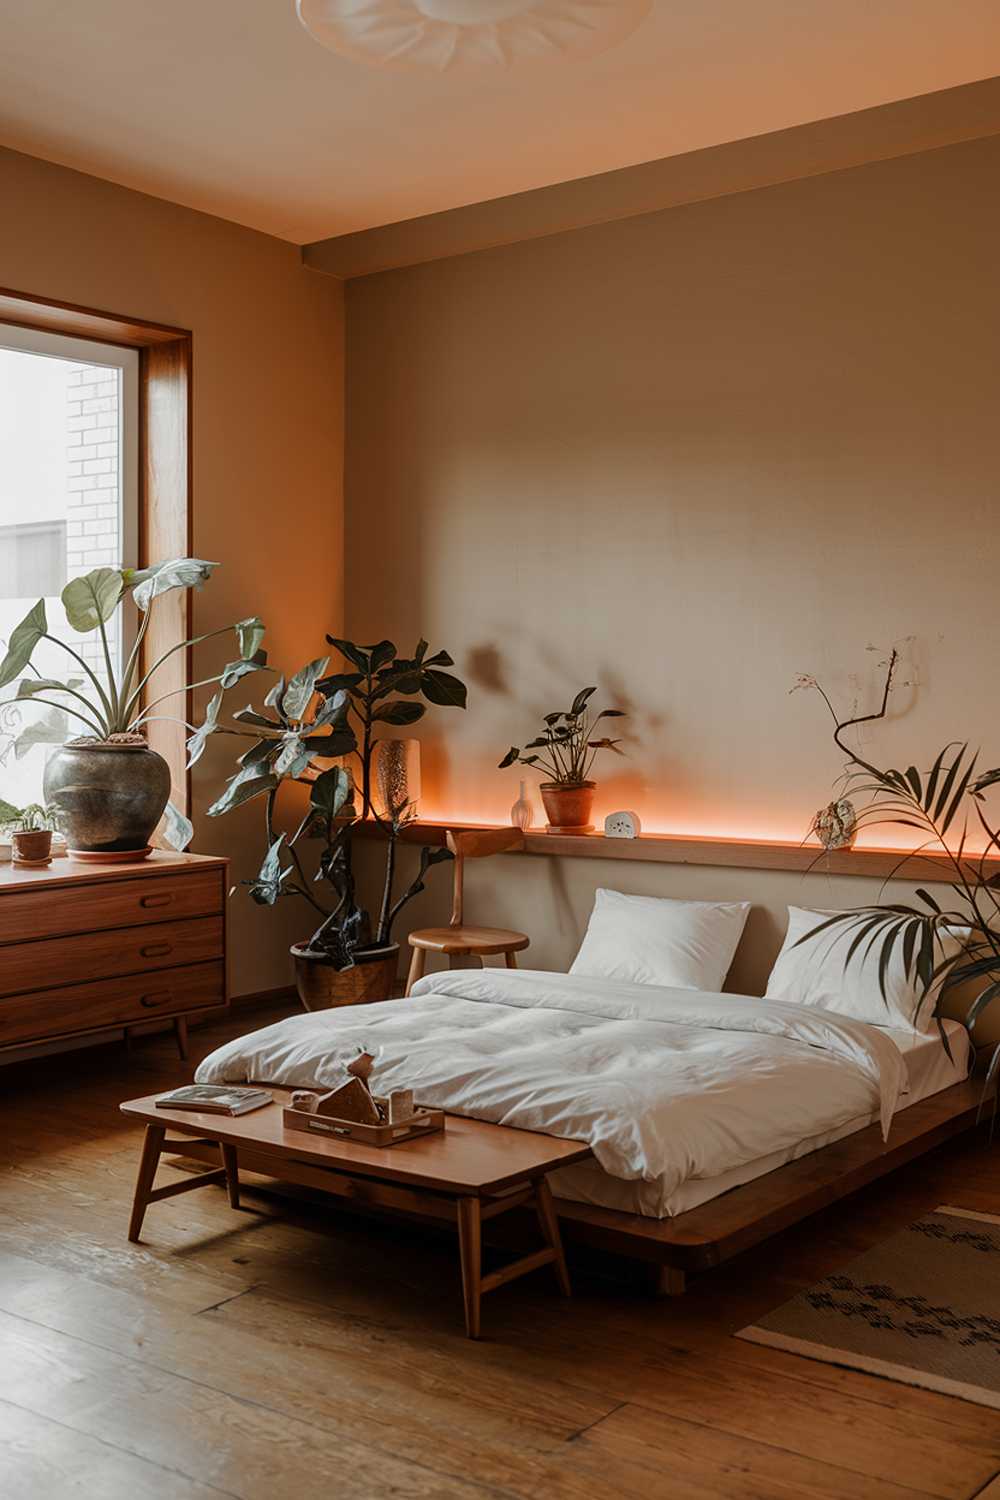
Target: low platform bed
724,1118
706,1236
719,1229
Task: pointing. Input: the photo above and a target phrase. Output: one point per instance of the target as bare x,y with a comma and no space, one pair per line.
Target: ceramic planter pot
322,986
836,825
109,797
32,847
568,808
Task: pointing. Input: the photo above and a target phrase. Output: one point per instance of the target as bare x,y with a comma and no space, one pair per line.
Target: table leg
511,960
231,1164
470,1244
550,1229
151,1147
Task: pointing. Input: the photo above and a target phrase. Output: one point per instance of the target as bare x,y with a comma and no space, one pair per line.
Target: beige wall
687,457
268,382
551,900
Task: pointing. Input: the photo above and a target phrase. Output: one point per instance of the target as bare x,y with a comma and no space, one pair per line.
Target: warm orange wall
268,400
689,456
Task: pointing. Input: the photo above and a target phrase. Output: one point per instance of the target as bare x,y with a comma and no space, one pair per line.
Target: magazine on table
214,1099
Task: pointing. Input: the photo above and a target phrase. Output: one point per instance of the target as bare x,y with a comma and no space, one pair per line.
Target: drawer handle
162,899
161,997
156,950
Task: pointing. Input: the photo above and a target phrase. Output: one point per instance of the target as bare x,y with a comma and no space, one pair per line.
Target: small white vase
522,814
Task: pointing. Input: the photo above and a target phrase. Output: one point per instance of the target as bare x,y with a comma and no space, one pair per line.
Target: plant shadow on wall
939,946
315,718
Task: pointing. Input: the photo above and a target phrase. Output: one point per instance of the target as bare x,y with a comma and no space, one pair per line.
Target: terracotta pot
568,808
322,986
32,847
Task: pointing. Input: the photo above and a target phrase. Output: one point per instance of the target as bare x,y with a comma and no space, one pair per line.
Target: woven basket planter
322,986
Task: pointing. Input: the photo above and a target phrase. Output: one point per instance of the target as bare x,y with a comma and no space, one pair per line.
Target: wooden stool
458,940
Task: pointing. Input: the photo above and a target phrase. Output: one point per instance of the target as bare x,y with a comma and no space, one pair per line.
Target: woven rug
923,1308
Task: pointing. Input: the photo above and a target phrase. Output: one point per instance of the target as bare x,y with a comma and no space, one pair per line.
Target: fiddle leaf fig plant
115,706
317,717
565,751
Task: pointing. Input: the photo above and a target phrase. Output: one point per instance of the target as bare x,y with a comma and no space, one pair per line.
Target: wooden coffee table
469,1172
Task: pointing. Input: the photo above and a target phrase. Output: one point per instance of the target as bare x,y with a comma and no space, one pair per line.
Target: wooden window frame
165,480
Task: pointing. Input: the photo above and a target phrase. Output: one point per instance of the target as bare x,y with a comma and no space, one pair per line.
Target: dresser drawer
111,1002
96,905
60,961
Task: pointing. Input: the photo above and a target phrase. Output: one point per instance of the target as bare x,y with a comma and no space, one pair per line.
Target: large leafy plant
565,750
118,704
316,717
945,805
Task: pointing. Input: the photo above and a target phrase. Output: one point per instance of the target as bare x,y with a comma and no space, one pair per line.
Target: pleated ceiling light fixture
443,34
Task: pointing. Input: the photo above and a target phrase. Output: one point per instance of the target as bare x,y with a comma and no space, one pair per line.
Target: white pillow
814,973
685,945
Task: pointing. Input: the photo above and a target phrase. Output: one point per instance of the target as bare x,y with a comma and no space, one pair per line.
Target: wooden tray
424,1122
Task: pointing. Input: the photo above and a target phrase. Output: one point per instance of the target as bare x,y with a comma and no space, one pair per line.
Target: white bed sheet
928,1070
665,1085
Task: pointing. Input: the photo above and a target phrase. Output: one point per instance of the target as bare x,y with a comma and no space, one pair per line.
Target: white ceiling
229,106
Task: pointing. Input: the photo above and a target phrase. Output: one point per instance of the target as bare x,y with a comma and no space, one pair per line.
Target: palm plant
565,749
943,805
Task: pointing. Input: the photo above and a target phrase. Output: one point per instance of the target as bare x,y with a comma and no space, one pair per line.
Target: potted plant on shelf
565,751
107,787
315,718
30,829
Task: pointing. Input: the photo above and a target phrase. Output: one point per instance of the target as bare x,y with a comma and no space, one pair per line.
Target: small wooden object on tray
424,1121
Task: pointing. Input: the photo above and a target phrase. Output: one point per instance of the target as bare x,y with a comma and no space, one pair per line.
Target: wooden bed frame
705,1237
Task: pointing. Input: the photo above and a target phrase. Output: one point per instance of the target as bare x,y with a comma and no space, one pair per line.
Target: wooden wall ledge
670,849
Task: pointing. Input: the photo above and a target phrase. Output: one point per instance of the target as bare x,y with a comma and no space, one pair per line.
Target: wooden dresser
87,948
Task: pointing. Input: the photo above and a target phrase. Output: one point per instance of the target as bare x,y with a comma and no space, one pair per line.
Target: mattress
928,1069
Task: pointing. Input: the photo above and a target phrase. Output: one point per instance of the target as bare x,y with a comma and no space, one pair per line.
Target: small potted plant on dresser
108,789
565,752
30,829
316,718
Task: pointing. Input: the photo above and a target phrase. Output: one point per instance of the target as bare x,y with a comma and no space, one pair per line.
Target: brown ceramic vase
568,808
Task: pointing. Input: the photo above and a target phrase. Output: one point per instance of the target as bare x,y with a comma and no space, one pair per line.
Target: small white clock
622,825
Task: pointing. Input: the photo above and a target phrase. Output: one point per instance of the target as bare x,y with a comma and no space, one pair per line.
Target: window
68,503
32,559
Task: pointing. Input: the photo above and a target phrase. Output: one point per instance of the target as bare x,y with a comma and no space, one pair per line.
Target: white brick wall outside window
92,453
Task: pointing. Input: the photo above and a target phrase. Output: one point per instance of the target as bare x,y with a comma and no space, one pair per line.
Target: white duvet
663,1084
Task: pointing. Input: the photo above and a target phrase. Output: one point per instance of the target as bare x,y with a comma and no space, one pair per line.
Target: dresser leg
470,1245
181,1033
231,1164
148,1161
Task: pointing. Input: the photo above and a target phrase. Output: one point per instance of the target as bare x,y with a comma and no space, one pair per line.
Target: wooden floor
292,1351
